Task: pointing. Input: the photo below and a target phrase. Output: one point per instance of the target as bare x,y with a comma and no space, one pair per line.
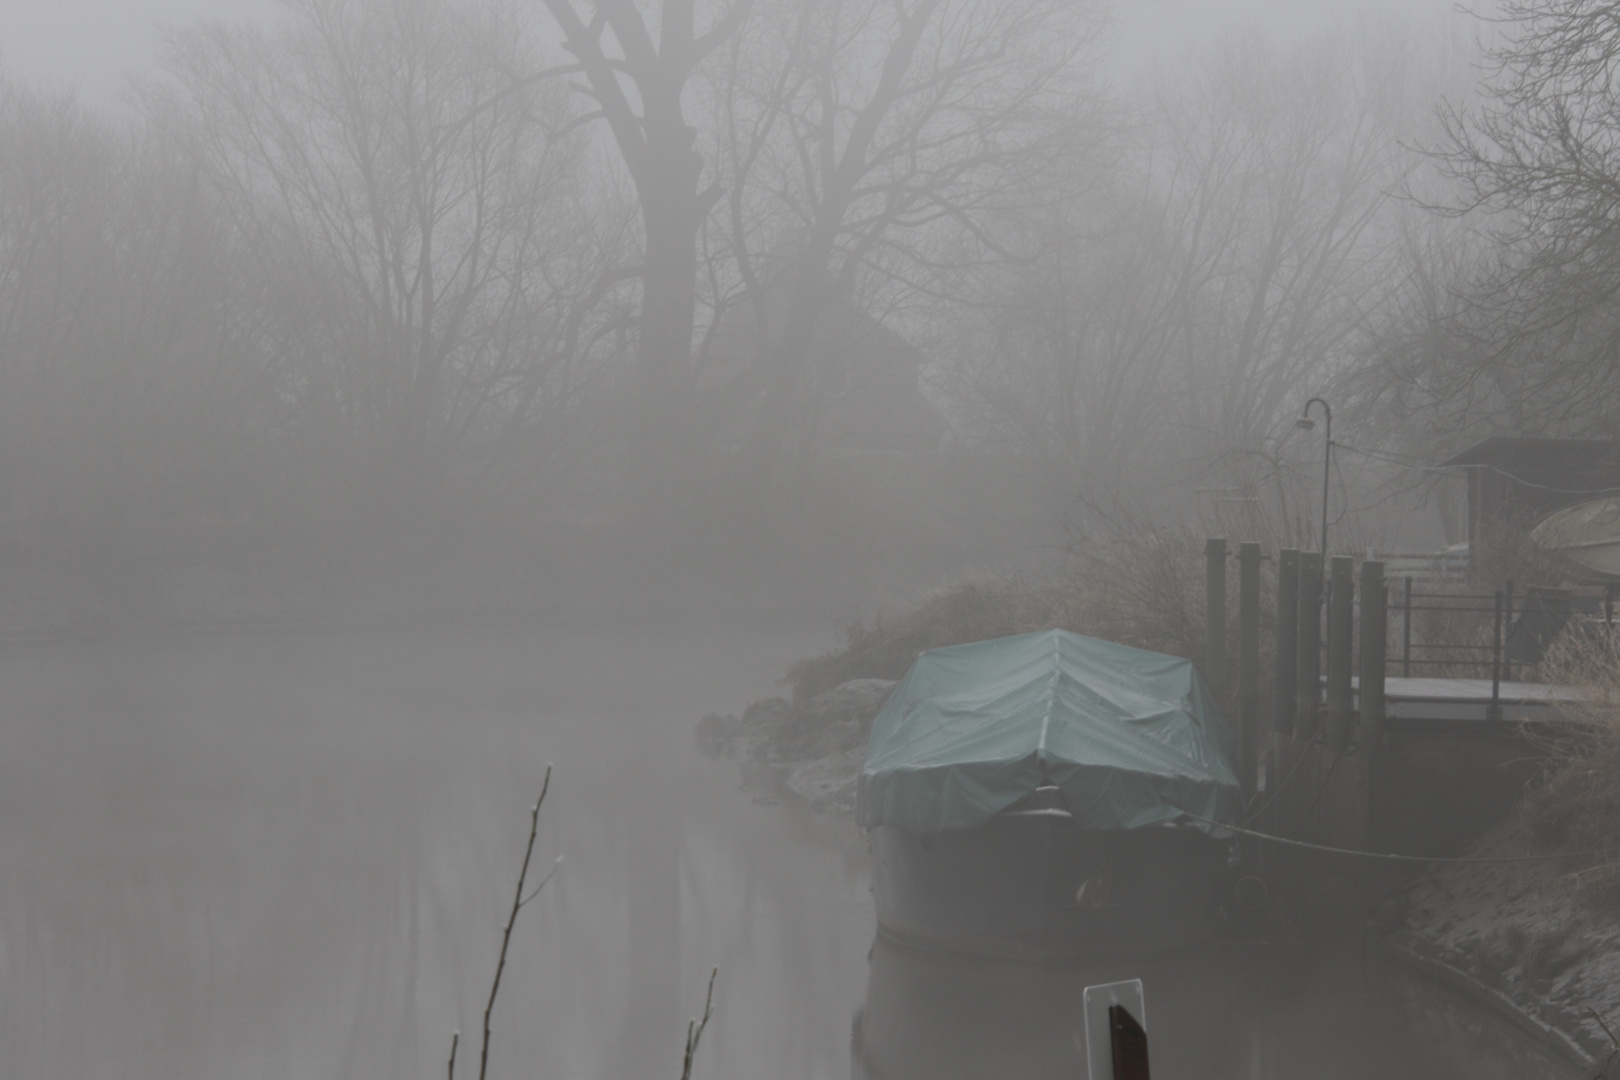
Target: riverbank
1517,935
810,751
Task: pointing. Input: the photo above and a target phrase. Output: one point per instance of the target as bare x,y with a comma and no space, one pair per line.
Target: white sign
1099,1043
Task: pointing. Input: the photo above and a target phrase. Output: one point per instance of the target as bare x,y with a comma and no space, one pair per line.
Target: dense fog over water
397,396
290,855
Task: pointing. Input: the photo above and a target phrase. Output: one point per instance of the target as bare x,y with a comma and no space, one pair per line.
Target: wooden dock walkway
1340,753
1460,705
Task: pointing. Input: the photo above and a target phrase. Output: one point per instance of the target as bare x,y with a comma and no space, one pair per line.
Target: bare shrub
1538,953
1452,634
1144,591
979,608
1575,802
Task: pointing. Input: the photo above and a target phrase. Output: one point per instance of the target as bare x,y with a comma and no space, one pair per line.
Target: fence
1520,631
1318,646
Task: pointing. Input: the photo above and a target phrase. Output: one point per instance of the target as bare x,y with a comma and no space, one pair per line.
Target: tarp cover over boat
1131,737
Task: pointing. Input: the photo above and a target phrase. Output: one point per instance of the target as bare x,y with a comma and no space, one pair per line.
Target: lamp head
1305,423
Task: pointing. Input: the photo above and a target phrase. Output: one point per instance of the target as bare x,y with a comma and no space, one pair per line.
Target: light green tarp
1132,737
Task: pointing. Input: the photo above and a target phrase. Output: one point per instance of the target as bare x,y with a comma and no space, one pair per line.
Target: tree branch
511,919
694,1028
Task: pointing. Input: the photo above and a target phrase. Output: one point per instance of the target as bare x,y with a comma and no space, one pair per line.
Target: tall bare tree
426,241
132,401
636,66
861,140
1535,166
1219,276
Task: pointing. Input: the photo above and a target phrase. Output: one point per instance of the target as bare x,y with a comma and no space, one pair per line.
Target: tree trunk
671,215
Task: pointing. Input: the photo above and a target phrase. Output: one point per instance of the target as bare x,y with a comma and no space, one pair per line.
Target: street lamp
1305,423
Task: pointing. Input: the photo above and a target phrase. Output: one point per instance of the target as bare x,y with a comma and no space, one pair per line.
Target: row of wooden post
1296,703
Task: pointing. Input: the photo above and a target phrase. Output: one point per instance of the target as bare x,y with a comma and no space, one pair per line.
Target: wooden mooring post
1307,658
1340,626
1215,616
1374,645
1283,702
1249,661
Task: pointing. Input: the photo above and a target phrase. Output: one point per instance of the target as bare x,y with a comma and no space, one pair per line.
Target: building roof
1505,452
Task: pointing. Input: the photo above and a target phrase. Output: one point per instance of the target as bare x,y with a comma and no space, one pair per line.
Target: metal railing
1453,655
1502,606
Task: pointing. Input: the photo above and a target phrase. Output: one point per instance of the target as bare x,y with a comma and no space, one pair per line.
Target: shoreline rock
811,750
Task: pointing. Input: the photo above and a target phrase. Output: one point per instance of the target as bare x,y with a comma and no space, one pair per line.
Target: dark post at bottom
1130,1044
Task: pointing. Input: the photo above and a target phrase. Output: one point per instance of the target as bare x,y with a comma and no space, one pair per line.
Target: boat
1048,795
1586,534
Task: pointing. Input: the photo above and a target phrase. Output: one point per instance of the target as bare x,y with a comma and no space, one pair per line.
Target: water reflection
1228,1012
934,1015
290,856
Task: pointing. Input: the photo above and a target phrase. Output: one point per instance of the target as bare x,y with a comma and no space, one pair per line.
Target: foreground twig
694,1028
519,902
1614,1044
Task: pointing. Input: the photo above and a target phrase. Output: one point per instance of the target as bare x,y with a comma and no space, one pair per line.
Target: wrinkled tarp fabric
1131,737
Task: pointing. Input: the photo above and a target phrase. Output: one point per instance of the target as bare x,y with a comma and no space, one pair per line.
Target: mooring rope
1299,761
1402,858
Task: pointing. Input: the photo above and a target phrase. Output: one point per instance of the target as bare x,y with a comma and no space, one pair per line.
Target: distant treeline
820,280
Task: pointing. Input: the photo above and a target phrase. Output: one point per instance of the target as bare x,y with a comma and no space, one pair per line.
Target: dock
1465,706
1336,752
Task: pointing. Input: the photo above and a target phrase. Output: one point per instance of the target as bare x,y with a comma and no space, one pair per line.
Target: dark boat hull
1023,887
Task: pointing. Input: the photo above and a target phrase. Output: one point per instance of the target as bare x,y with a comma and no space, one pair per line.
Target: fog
93,46
371,299
291,855
398,397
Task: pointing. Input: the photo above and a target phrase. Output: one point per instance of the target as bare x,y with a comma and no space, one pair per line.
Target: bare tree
862,138
636,68
132,404
428,248
1536,172
1178,311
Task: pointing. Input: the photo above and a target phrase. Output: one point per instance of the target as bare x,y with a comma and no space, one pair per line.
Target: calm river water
289,855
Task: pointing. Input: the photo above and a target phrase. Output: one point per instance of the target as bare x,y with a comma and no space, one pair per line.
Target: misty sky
89,44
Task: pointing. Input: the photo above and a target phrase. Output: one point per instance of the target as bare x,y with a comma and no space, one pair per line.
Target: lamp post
1305,423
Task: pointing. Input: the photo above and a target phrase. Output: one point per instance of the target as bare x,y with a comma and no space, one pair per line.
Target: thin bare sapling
519,902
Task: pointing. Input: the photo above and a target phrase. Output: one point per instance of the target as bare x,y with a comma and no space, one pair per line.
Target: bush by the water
1575,803
1145,590
972,610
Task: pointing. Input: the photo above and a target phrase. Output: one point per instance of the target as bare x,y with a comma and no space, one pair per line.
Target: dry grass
1147,590
1452,621
1576,801
1537,953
